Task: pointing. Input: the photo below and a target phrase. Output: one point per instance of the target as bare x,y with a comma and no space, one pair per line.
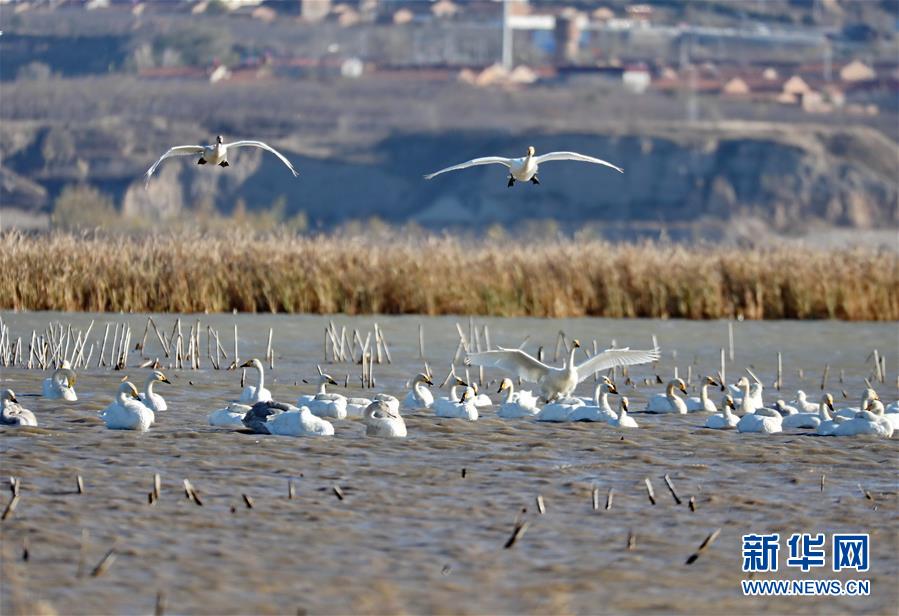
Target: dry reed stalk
702,547
671,489
541,506
114,273
517,533
649,491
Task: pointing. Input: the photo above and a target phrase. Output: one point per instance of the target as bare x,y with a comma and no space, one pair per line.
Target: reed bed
396,274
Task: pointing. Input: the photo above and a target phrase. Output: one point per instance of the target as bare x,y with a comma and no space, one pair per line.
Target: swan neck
149,387
509,392
672,393
704,393
261,381
321,387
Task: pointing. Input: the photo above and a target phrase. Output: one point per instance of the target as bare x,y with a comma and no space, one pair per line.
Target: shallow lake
412,534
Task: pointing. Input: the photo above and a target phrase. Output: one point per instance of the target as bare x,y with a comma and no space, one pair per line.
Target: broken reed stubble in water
408,275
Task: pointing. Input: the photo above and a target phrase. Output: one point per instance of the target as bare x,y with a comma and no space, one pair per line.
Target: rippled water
412,534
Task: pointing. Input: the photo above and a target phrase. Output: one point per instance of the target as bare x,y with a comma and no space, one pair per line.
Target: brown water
412,534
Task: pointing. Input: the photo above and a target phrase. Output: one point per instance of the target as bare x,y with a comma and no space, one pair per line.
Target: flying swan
558,382
216,154
524,169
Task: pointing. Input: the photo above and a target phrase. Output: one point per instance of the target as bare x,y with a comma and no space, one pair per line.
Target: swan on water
13,413
558,382
827,424
420,397
154,401
750,398
525,169
392,402
865,422
380,420
623,420
229,417
480,400
355,407
127,412
869,397
464,408
802,404
669,402
767,421
216,154
810,420
702,403
599,409
283,419
560,409
516,404
252,394
61,385
784,408
725,420
324,404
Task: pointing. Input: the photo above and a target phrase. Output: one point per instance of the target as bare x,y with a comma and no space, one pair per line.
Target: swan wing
515,361
264,146
575,156
614,358
178,150
487,160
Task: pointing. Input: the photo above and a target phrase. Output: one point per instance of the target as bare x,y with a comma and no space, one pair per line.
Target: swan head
504,385
467,395
871,395
800,394
623,403
575,344
744,382
609,387
710,381
129,389
459,382
66,364
8,394
679,384
326,379
252,363
827,400
729,402
379,410
219,139
531,150
159,376
423,378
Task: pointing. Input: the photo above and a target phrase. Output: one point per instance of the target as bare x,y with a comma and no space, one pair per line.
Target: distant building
636,78
314,10
857,71
444,9
403,16
736,87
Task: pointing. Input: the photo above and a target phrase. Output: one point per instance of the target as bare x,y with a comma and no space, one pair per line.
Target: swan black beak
612,388
247,363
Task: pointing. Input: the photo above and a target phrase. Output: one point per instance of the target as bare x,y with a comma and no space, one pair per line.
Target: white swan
393,403
669,402
725,420
480,400
151,399
525,169
600,409
13,413
623,420
286,420
216,154
558,382
810,420
252,394
865,422
767,421
828,425
463,409
702,403
750,399
516,405
324,404
61,385
892,407
560,409
127,412
784,408
869,398
229,417
420,397
802,404
380,420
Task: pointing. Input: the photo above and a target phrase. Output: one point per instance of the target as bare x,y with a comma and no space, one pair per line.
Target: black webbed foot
224,163
534,180
202,161
511,182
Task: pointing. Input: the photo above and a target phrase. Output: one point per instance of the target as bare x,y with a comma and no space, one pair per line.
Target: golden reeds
395,274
